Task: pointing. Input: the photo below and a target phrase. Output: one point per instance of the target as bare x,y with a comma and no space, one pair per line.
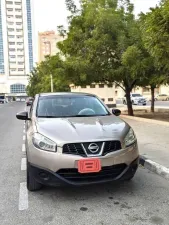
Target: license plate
89,165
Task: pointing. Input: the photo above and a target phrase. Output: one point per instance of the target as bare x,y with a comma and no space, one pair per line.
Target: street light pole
51,82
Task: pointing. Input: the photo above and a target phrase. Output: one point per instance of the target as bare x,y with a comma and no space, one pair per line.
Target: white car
136,99
162,97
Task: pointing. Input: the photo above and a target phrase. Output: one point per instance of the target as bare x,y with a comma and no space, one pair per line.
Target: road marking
24,130
23,148
23,137
23,197
23,164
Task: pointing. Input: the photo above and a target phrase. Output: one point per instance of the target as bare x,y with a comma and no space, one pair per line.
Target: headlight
130,138
43,143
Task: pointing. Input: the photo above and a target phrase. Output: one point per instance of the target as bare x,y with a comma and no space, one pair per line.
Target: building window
20,70
17,3
13,70
83,86
10,23
18,23
103,99
146,89
110,85
11,36
17,88
18,17
116,93
9,10
18,10
12,56
9,2
92,86
10,29
11,49
11,43
110,99
101,85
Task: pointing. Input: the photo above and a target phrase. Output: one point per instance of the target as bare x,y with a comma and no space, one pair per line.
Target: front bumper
72,177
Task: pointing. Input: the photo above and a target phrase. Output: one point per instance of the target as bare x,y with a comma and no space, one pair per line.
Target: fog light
44,176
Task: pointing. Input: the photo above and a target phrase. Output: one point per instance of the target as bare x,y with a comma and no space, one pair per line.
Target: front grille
107,173
77,148
74,149
111,146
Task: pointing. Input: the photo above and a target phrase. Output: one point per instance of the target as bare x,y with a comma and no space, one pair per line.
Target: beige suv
73,138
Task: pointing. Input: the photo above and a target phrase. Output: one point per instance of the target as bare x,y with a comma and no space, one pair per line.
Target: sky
48,14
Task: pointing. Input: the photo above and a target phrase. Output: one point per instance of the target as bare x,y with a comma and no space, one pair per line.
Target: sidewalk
153,140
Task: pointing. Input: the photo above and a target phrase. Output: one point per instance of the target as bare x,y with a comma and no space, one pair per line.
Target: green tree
39,80
103,45
155,28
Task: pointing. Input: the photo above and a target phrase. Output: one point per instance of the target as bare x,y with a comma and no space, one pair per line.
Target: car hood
86,129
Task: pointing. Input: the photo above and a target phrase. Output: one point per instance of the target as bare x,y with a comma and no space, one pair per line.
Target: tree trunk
129,103
152,98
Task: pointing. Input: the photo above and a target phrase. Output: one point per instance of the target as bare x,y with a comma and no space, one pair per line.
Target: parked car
2,101
29,101
162,97
136,99
73,138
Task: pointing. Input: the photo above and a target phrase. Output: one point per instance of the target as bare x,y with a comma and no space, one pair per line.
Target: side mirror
22,116
116,112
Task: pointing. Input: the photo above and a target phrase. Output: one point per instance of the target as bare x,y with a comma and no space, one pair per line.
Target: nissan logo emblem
93,148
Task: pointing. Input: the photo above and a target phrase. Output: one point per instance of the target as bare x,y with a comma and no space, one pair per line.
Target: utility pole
51,82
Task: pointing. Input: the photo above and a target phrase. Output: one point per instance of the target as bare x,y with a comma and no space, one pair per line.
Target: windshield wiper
48,117
90,115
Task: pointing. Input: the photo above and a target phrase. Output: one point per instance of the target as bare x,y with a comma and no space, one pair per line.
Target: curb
140,119
154,167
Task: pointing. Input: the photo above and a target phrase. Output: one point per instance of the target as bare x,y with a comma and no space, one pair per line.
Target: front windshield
136,95
70,106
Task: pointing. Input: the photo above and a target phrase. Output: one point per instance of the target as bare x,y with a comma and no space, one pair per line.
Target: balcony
19,33
12,65
11,33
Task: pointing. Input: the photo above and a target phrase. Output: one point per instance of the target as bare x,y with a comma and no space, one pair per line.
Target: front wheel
32,184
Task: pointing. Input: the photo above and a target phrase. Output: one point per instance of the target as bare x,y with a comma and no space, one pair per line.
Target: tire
144,104
32,184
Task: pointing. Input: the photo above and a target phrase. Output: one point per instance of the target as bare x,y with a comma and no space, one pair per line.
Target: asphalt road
143,201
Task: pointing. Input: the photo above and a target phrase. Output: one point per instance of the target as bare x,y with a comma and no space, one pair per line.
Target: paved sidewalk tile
153,140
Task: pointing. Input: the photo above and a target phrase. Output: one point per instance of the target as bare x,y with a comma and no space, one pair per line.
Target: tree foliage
103,45
155,28
40,81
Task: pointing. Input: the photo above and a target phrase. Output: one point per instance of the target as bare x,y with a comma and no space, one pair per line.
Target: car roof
66,94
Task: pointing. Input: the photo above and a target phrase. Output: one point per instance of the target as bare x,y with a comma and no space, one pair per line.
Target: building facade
112,94
47,44
16,45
